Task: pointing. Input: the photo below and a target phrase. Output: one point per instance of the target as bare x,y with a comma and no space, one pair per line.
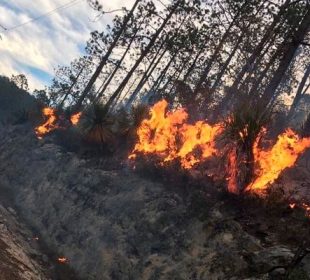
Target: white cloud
50,41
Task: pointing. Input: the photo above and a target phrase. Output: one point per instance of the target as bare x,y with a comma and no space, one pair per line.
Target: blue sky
35,49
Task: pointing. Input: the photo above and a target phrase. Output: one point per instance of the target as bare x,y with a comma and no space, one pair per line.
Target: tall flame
169,136
50,123
271,162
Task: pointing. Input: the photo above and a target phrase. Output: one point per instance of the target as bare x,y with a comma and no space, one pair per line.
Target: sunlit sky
35,49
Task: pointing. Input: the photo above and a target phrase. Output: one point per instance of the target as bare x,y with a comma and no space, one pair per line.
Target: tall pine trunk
119,63
299,93
259,48
290,49
142,56
217,50
105,57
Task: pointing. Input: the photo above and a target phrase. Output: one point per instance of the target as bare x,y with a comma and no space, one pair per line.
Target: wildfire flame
75,118
50,123
271,162
167,135
232,171
52,120
62,260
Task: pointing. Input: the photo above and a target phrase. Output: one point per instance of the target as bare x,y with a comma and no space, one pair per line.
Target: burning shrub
243,129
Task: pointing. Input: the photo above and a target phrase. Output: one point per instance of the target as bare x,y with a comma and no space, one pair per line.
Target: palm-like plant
243,129
98,125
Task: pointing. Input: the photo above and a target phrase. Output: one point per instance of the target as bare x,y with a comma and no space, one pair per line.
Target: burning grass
54,120
251,166
168,139
168,135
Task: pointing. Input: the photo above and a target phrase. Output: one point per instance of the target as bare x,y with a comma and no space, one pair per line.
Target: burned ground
117,225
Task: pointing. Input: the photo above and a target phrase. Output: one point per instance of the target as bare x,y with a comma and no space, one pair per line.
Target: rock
267,259
18,258
305,264
277,273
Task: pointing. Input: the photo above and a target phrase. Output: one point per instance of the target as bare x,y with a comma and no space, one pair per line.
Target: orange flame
62,260
292,205
50,123
75,118
232,171
170,137
167,135
303,205
270,163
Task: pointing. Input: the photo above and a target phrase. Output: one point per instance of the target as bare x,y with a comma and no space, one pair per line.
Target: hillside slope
115,225
13,101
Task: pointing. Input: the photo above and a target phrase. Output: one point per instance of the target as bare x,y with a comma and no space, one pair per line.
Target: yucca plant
242,130
98,125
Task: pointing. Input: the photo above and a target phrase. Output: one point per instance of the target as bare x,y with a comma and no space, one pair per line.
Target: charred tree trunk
146,76
163,73
260,78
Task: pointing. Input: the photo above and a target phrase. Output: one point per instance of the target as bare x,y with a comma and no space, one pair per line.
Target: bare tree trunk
256,53
193,65
288,54
258,81
152,67
118,65
142,56
299,93
163,73
105,58
227,62
219,47
147,73
71,87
